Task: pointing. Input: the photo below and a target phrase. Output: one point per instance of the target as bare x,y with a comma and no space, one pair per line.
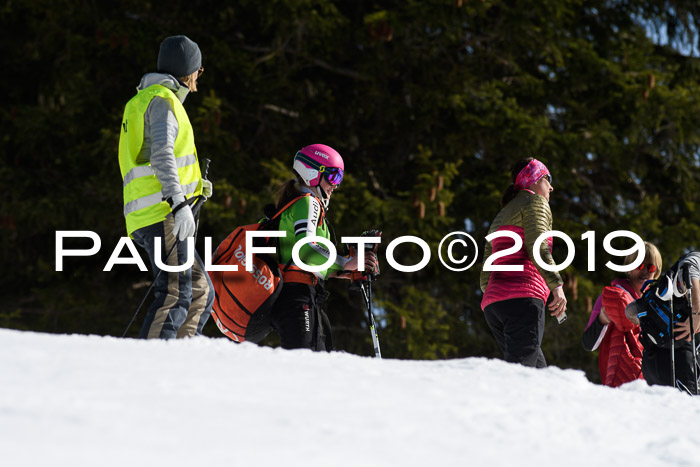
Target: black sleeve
591,335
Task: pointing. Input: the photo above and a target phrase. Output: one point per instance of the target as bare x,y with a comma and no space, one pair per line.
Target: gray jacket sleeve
691,261
162,127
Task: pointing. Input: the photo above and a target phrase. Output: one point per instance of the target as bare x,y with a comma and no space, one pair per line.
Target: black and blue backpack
661,306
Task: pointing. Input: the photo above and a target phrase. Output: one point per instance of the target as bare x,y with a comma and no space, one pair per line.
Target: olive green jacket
530,212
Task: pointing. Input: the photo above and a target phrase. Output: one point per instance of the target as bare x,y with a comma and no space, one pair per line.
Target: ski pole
695,358
366,287
205,174
673,346
148,292
373,328
689,288
198,209
692,338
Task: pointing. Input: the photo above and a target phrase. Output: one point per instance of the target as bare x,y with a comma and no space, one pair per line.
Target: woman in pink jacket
514,301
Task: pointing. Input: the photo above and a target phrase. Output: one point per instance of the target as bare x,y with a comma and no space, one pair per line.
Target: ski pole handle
205,171
201,199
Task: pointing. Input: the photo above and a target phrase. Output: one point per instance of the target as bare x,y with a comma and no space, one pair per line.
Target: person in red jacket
611,332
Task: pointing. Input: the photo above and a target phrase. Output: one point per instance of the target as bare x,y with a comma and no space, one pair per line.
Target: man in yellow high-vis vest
160,170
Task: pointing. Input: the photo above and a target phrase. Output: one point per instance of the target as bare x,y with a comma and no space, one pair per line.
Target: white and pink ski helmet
316,161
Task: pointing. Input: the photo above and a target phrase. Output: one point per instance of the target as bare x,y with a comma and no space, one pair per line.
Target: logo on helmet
318,153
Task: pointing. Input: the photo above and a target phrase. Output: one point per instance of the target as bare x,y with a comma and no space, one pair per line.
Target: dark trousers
657,369
183,300
299,320
518,326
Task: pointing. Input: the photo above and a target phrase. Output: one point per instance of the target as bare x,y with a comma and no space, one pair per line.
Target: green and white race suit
306,218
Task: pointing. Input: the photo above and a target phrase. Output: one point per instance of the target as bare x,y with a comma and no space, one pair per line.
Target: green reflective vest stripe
143,198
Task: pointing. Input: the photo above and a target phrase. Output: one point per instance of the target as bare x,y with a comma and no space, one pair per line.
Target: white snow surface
76,400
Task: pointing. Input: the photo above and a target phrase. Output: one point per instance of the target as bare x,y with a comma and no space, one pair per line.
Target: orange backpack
244,299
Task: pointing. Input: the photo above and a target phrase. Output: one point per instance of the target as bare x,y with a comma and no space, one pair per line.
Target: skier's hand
371,263
631,312
558,305
682,330
184,219
207,188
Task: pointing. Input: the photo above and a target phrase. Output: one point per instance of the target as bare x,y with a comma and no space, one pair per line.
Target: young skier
297,315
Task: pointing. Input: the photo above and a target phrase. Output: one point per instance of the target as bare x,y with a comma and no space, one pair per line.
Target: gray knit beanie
179,56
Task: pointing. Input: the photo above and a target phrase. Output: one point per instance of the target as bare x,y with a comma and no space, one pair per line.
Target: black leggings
299,320
518,326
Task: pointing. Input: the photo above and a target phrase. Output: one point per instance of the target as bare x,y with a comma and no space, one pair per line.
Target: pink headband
530,174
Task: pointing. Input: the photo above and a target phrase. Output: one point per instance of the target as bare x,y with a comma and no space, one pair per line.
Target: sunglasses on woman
334,175
650,267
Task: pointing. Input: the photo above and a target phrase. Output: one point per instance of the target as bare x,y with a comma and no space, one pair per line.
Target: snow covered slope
73,400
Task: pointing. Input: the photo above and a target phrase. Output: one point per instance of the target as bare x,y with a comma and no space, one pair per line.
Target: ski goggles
334,175
650,267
